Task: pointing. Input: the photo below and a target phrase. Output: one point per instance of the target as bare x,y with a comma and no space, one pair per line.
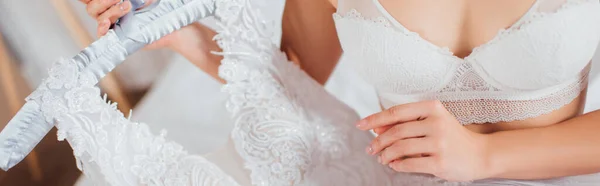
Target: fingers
85,1
103,27
398,132
426,165
97,7
402,149
115,12
381,130
400,114
111,15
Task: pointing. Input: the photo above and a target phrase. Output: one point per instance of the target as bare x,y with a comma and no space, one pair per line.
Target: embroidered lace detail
355,15
124,152
465,79
282,131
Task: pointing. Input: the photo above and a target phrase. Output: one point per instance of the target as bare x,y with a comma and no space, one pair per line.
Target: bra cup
537,57
391,60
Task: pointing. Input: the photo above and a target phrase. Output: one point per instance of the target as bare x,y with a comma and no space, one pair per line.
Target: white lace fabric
534,67
109,148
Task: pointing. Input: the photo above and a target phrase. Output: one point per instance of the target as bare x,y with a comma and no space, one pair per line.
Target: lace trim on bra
475,109
479,111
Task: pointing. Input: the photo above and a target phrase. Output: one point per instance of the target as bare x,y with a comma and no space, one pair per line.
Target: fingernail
361,123
390,165
369,150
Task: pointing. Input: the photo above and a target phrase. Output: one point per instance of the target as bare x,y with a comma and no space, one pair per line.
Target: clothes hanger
110,83
132,32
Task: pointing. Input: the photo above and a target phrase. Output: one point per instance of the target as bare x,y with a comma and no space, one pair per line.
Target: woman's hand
107,12
425,138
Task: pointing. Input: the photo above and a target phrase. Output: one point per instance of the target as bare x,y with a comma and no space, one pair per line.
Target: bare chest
460,25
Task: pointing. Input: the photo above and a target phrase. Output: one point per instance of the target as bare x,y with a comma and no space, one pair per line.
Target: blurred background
165,90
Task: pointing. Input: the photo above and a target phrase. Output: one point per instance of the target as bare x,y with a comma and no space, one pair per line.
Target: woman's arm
424,137
568,148
310,38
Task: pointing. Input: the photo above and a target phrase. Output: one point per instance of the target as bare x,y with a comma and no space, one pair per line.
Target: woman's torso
464,25
461,26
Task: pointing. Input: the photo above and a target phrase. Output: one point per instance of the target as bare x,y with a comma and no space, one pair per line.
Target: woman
530,112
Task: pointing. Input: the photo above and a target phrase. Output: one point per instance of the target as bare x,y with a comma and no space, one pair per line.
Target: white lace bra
534,67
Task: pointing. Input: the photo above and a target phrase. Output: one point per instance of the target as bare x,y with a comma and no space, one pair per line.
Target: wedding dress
287,129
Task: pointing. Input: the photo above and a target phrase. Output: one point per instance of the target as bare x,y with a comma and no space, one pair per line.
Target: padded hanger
132,32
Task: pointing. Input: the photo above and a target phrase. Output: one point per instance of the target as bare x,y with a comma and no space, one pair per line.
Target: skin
421,137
